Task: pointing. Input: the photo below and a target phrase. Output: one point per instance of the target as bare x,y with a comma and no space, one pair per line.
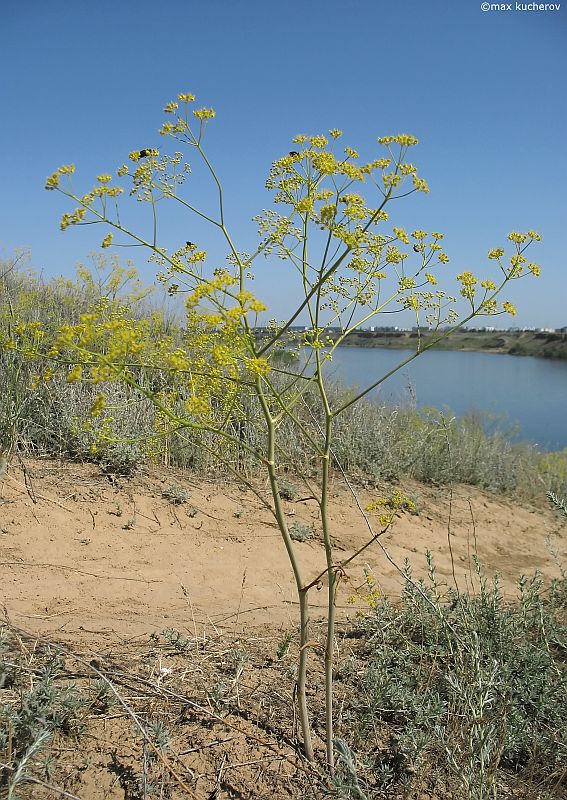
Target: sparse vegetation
300,531
371,440
458,694
177,495
466,689
287,490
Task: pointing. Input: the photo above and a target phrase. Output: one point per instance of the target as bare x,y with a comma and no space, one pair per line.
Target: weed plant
177,495
371,439
218,387
40,705
463,690
300,531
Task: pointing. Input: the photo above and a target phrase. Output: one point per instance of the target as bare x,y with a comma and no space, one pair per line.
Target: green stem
317,287
301,591
331,574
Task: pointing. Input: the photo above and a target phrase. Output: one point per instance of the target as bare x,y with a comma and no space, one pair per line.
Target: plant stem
302,591
331,572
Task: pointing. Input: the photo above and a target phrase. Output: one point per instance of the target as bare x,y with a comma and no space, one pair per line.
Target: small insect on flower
294,153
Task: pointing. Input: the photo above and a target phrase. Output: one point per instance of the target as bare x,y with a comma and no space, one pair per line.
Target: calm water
530,393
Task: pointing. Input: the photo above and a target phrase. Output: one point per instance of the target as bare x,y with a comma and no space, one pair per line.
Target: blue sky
484,92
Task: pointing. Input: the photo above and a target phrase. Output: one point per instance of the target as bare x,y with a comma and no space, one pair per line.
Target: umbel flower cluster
356,265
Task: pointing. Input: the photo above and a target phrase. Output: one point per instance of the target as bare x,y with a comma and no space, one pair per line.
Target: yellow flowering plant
331,224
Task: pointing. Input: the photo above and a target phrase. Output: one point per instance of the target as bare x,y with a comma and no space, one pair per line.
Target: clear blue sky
485,92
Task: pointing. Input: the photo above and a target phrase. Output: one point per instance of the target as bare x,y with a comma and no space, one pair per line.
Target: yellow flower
104,178
431,278
259,366
518,238
496,253
516,264
107,241
326,213
257,305
353,172
196,405
411,302
489,307
403,139
406,140
98,406
53,181
394,256
420,184
221,355
406,283
335,133
391,179
468,288
509,308
186,98
318,141
75,374
305,205
177,360
204,113
326,163
100,373
408,169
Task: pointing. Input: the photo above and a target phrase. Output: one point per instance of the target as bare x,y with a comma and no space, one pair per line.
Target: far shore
514,343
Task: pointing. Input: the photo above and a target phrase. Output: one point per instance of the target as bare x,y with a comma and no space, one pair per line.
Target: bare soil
104,565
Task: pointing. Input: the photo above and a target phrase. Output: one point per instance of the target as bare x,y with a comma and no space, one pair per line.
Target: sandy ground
88,557
104,567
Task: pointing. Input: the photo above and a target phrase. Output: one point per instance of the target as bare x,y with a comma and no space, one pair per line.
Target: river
529,394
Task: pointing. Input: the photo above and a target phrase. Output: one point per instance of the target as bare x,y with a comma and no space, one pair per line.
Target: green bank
543,344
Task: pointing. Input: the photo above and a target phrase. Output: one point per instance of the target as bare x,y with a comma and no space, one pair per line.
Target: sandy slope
91,558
